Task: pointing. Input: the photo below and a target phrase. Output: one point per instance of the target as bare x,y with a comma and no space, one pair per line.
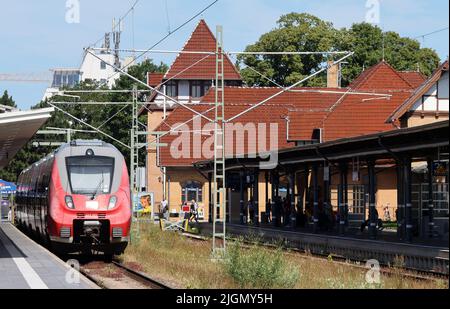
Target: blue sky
36,37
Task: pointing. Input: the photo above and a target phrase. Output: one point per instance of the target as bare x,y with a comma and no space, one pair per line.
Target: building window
233,83
102,65
206,86
172,89
191,190
196,89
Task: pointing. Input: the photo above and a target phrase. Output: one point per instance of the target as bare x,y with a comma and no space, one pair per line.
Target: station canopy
7,187
17,128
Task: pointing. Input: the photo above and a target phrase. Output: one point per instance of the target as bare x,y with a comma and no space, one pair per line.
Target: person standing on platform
194,211
165,208
251,210
269,211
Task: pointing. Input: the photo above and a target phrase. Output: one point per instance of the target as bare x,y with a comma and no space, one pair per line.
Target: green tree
96,115
294,32
371,45
7,100
305,32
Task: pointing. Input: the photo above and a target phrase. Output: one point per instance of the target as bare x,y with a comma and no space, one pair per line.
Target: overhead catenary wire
112,117
173,130
152,88
423,36
154,51
103,91
162,51
289,88
162,39
88,125
262,53
316,90
129,91
92,103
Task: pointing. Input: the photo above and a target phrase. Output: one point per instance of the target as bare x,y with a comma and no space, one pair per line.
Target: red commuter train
77,199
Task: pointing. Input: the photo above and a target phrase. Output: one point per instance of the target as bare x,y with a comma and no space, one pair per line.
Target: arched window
191,190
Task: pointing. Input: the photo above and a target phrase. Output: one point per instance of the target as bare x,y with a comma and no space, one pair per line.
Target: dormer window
172,89
196,89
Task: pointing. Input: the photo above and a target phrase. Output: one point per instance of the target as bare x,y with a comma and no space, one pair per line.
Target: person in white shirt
165,208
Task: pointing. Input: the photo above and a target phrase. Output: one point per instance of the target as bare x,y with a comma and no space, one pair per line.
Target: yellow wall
386,195
154,174
417,120
177,177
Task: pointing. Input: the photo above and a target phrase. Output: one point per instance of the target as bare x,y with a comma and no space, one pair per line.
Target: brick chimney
333,75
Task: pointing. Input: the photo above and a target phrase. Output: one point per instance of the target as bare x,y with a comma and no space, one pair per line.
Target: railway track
115,275
419,275
432,261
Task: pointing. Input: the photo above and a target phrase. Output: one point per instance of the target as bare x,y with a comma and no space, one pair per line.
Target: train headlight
69,202
112,202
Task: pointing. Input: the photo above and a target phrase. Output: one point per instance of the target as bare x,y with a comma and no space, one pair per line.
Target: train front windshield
90,175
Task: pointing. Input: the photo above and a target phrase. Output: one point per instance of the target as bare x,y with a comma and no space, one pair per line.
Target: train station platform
430,256
25,264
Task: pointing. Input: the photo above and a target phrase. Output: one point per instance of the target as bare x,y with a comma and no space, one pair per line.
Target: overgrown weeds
256,267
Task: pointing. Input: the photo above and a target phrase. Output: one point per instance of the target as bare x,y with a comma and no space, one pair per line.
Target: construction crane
42,77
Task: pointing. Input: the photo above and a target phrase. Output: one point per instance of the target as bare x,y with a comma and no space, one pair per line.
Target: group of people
191,211
281,213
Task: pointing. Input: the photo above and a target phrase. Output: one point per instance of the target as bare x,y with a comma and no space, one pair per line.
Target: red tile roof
414,78
377,76
418,93
361,115
268,114
339,115
155,79
202,39
303,124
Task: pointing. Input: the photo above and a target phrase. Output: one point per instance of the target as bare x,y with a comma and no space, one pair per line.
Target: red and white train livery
77,199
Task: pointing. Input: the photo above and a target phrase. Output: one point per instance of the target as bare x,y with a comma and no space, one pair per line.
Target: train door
34,197
38,207
46,206
43,188
26,211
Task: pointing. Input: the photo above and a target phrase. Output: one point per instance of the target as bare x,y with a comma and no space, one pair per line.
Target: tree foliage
114,120
7,100
305,32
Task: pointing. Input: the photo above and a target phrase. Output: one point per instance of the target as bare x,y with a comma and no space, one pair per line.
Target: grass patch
257,267
187,263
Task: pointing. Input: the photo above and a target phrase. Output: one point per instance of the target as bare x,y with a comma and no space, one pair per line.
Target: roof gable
200,66
155,79
382,77
420,91
415,78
